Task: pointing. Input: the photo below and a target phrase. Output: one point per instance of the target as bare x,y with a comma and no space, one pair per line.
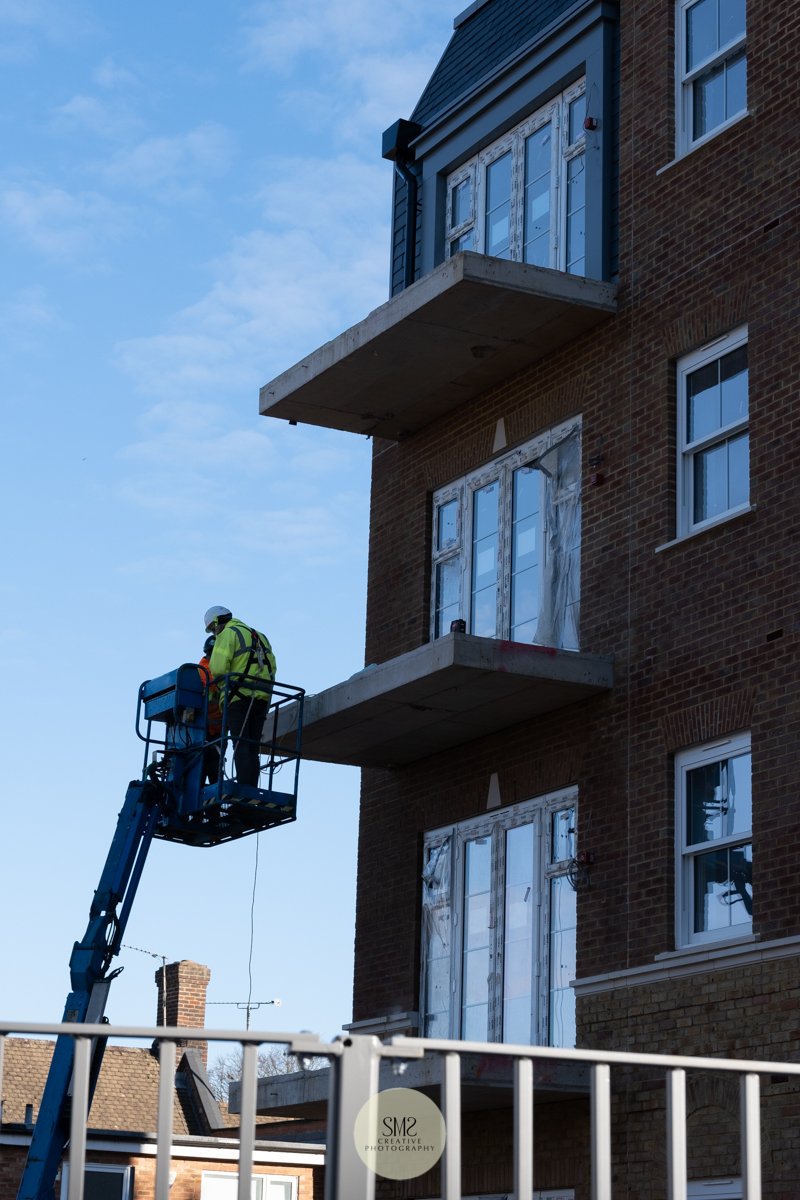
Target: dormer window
524,196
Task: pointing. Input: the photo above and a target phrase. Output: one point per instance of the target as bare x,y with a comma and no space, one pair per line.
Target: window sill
725,519
676,964
690,150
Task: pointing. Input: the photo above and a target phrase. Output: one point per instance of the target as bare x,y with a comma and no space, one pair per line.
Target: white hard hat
214,614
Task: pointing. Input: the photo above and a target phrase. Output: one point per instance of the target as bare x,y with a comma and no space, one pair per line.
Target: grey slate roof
495,32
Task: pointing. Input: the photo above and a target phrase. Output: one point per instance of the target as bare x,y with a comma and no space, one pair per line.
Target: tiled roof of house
126,1097
482,42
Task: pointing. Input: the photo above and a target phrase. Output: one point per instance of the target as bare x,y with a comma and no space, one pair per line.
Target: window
714,444
524,197
714,1189
712,67
714,838
102,1182
223,1185
499,926
506,545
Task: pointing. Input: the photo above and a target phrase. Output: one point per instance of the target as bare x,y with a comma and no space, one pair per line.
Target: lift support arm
90,980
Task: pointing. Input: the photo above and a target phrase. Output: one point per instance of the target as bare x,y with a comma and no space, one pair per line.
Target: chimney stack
182,990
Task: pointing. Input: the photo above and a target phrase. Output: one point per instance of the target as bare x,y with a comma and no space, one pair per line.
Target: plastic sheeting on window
436,940
559,615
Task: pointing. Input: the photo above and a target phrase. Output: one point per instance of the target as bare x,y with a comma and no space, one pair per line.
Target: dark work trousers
246,718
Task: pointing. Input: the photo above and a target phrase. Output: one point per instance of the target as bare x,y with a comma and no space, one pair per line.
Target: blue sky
192,197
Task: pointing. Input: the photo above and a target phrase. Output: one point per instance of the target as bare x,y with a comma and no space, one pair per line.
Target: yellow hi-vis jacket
239,648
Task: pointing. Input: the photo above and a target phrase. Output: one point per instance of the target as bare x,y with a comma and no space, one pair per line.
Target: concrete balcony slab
468,325
442,695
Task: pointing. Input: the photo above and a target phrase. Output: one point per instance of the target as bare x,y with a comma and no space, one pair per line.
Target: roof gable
483,40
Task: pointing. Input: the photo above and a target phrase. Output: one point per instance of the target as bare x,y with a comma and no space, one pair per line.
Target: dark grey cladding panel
494,33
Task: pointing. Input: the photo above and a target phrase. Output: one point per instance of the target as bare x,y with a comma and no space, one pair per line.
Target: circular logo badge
400,1133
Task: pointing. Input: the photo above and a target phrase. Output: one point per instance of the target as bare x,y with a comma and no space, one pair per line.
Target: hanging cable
252,934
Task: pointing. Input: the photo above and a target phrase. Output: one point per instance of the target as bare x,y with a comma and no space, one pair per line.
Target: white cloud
278,293
171,168
89,114
110,75
370,61
58,223
28,314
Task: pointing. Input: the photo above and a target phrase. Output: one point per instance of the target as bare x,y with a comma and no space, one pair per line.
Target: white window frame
712,352
686,854
259,1189
459,552
453,839
105,1168
555,111
685,80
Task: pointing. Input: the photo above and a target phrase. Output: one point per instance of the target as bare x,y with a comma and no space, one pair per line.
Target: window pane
536,232
476,948
723,889
702,402
436,933
525,601
498,207
701,32
447,525
460,203
277,1189
519,914
733,386
448,595
577,115
731,21
709,101
710,483
562,835
576,215
465,242
563,926
739,471
718,800
485,546
735,85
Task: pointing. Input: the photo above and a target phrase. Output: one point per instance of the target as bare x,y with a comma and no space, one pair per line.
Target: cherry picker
172,801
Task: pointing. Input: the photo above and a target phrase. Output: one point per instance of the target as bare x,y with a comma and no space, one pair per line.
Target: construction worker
246,656
213,714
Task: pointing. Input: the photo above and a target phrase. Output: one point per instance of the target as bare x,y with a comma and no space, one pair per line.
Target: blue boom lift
173,802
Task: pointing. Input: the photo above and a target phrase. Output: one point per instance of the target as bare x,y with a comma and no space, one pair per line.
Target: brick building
122,1144
580,808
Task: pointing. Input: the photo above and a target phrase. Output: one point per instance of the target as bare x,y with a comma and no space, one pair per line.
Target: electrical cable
252,934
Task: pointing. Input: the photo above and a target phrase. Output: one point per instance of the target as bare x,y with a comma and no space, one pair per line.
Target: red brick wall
711,242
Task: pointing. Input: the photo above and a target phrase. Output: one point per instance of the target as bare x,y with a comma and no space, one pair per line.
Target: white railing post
247,1119
601,1132
166,1095
676,1134
353,1081
750,1117
523,1127
81,1068
451,1108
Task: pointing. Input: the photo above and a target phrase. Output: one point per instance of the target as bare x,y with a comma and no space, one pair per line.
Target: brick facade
703,630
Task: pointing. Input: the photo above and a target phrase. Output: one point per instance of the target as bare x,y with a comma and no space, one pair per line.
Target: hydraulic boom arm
89,979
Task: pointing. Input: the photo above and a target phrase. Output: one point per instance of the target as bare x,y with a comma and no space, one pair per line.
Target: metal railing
354,1079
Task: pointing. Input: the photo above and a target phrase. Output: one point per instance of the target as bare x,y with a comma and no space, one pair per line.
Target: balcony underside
457,332
486,1082
442,695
